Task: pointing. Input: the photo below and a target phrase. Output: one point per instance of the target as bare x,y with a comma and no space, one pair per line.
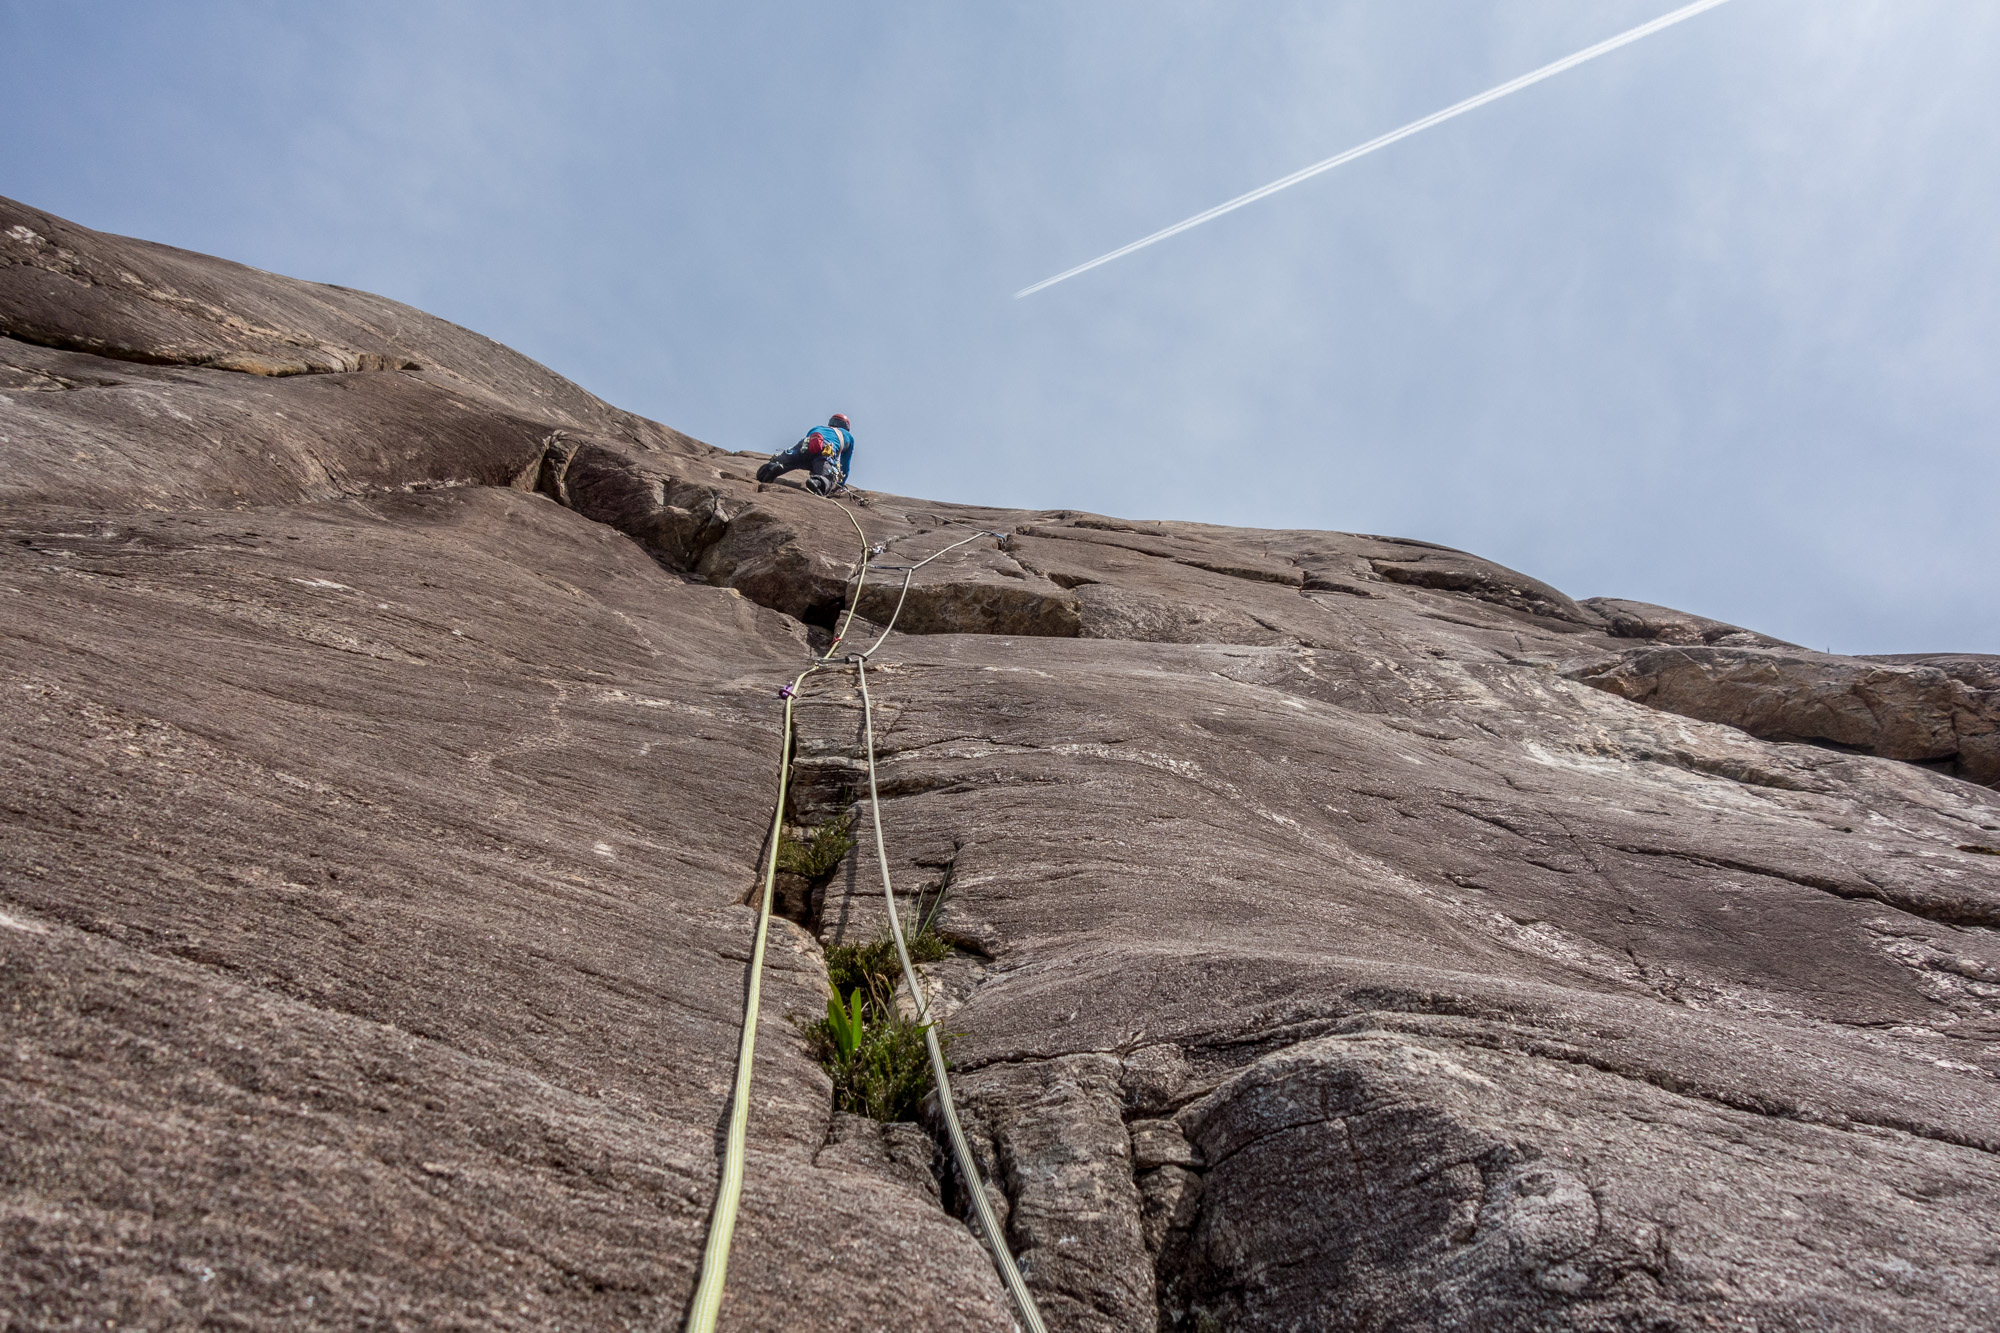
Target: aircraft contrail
1435,118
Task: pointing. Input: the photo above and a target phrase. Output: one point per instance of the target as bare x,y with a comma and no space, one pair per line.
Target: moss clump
821,850
874,969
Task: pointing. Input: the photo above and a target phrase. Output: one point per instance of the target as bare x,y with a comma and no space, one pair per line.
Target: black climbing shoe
771,471
818,485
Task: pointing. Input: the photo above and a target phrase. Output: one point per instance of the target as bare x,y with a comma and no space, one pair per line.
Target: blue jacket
832,440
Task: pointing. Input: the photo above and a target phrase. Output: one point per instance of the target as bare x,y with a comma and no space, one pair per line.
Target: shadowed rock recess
1350,933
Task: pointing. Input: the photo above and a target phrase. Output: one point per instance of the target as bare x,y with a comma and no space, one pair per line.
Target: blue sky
1709,322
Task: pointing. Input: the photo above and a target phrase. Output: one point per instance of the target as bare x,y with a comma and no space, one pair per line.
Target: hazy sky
1710,322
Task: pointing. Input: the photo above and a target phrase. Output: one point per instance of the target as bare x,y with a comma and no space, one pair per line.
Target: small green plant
871,967
926,947
926,943
822,849
844,1024
874,967
886,1071
877,1057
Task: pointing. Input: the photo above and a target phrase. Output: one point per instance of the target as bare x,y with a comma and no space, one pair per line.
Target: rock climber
825,453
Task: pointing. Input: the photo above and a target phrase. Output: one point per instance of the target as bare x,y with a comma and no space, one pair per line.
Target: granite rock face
1943,709
1352,933
1662,624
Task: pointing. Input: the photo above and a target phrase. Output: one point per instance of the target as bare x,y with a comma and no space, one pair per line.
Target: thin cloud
1549,71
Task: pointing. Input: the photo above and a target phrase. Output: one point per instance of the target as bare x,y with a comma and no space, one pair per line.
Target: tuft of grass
874,967
877,1057
871,969
822,849
880,1068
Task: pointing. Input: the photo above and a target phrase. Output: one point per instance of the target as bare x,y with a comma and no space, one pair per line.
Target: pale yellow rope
707,1302
968,1169
722,1225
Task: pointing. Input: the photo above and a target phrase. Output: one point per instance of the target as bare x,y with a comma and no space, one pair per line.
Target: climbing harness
707,1302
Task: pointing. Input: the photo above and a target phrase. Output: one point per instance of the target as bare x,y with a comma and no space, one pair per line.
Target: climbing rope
729,1191
722,1225
968,1169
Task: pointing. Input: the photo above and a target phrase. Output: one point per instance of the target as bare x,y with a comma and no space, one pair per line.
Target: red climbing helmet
840,419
